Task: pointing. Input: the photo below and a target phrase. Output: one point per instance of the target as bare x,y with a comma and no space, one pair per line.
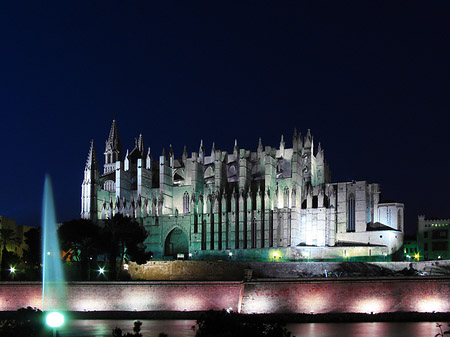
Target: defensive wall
307,295
235,270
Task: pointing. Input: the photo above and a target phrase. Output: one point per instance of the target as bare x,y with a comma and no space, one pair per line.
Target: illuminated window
351,213
186,203
286,197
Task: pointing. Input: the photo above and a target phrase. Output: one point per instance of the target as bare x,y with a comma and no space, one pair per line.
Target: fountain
53,284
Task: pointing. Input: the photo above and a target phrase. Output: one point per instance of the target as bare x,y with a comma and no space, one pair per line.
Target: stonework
268,204
433,238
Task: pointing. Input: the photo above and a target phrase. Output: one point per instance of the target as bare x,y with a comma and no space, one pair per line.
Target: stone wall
347,295
227,270
129,296
319,295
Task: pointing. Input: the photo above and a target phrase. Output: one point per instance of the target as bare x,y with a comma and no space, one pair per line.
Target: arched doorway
176,243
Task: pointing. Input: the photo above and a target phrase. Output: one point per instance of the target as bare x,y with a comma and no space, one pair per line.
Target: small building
19,230
411,249
433,239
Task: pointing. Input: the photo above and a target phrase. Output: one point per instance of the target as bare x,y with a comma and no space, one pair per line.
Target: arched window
286,197
351,213
186,203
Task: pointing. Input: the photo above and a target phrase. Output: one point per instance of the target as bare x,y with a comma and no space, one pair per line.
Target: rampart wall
324,295
235,270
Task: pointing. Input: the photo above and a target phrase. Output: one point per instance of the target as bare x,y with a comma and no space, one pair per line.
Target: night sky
370,79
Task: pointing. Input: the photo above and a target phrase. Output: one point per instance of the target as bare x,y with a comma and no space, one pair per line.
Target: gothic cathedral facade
275,203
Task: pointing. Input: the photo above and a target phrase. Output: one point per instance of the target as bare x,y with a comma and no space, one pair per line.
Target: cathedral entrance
176,243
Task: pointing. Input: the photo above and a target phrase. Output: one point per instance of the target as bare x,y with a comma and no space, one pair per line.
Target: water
182,328
53,287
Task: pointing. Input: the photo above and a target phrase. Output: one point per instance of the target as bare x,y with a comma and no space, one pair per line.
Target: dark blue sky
370,79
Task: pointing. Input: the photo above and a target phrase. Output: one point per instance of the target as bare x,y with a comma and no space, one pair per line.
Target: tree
32,256
81,242
7,237
125,238
224,324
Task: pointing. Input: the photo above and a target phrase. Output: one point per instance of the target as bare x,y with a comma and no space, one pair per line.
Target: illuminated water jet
53,283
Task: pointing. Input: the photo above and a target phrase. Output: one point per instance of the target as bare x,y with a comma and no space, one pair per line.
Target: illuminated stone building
270,204
433,238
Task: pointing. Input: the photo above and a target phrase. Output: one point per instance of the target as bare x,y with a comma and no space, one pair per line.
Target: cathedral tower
113,149
88,187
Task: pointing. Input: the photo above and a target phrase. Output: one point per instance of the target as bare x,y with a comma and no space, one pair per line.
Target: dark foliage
224,324
28,323
117,332
81,242
125,238
32,256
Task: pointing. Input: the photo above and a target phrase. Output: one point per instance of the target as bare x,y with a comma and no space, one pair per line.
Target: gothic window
294,197
286,197
399,220
186,203
109,186
351,213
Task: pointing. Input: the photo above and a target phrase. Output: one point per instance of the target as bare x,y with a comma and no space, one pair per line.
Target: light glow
54,319
12,270
370,306
432,305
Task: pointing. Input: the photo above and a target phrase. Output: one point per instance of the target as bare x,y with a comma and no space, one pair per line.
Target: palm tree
7,237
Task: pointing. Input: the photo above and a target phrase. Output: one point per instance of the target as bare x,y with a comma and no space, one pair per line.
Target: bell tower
113,149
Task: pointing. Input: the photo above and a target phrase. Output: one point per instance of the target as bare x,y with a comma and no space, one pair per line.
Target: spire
126,162
170,150
91,161
184,155
201,148
113,143
213,152
282,144
319,152
260,146
308,139
236,148
140,144
148,164
295,140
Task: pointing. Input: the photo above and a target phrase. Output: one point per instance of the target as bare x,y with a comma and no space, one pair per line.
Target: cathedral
272,204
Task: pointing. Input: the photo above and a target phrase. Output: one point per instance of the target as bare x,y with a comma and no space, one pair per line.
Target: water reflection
182,328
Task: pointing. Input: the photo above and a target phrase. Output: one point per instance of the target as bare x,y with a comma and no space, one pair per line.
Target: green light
54,319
